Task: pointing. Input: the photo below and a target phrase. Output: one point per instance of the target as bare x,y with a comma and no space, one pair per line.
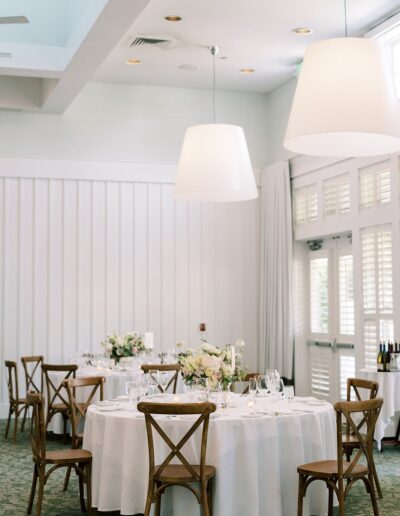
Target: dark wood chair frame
79,460
78,409
57,402
32,365
146,368
183,474
350,441
17,404
335,473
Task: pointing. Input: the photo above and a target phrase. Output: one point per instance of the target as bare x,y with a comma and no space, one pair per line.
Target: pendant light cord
214,51
345,18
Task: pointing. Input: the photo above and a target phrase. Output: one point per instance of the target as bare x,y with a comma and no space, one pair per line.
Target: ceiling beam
110,26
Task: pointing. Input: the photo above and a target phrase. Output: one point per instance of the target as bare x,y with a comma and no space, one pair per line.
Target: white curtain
276,336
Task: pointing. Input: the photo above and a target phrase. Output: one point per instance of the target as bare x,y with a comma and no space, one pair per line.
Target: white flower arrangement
210,363
128,345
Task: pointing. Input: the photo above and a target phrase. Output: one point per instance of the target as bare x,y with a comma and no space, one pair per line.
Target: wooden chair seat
179,473
350,440
329,469
67,456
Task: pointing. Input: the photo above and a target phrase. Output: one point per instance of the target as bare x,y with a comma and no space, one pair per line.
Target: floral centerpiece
128,345
210,364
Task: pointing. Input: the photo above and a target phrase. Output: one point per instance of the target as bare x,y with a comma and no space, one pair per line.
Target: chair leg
15,425
330,501
210,495
376,480
24,418
301,494
38,511
8,422
150,491
88,471
370,484
81,492
341,497
157,510
33,489
204,498
65,419
66,480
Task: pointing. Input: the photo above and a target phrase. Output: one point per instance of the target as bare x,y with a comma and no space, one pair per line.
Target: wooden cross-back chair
173,368
79,460
32,367
336,472
356,387
183,474
57,397
17,404
78,407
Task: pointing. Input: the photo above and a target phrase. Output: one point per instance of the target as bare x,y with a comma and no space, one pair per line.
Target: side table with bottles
389,390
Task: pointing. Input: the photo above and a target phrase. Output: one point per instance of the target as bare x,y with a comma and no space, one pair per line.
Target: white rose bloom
240,343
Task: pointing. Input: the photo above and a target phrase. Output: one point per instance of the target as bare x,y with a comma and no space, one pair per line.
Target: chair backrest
369,390
370,409
38,426
202,409
31,365
12,381
55,393
78,407
146,368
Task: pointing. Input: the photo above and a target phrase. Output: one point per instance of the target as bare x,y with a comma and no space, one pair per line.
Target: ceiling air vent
155,41
11,20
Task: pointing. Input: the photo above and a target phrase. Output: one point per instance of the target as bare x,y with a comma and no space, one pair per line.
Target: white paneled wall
81,258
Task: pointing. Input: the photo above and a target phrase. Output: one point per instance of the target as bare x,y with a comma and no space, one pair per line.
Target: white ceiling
250,33
68,43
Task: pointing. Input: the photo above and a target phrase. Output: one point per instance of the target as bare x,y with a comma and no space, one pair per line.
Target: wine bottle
379,361
384,358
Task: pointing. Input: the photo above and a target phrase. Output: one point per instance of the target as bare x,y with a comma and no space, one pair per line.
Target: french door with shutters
331,318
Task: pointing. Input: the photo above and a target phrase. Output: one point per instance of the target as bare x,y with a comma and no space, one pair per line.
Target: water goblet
289,393
163,380
153,381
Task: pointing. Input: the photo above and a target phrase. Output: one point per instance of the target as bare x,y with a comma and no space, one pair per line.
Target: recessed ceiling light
247,70
302,31
188,67
133,61
173,18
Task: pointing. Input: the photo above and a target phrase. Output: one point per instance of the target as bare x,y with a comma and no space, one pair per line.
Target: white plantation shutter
377,290
370,343
321,372
319,305
305,204
337,196
375,185
346,295
384,266
347,369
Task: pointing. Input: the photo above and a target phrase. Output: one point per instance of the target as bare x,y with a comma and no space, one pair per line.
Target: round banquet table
389,390
115,385
256,458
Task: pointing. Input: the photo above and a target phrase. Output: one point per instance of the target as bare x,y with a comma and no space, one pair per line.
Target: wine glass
132,391
253,387
289,393
163,380
153,381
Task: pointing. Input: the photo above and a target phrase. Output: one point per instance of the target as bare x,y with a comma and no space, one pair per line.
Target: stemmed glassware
164,378
153,381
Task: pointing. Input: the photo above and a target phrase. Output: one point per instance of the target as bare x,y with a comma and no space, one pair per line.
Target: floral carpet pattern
16,476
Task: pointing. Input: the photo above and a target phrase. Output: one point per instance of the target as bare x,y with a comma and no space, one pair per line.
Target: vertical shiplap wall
81,258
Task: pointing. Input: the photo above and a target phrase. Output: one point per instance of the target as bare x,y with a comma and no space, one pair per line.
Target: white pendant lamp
215,164
345,103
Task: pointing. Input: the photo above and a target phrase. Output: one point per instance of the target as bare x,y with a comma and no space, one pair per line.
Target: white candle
149,340
233,357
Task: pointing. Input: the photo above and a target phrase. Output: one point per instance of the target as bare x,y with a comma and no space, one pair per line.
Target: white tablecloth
389,390
115,385
256,460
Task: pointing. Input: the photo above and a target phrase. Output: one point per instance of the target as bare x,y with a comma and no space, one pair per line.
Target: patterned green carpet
16,476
